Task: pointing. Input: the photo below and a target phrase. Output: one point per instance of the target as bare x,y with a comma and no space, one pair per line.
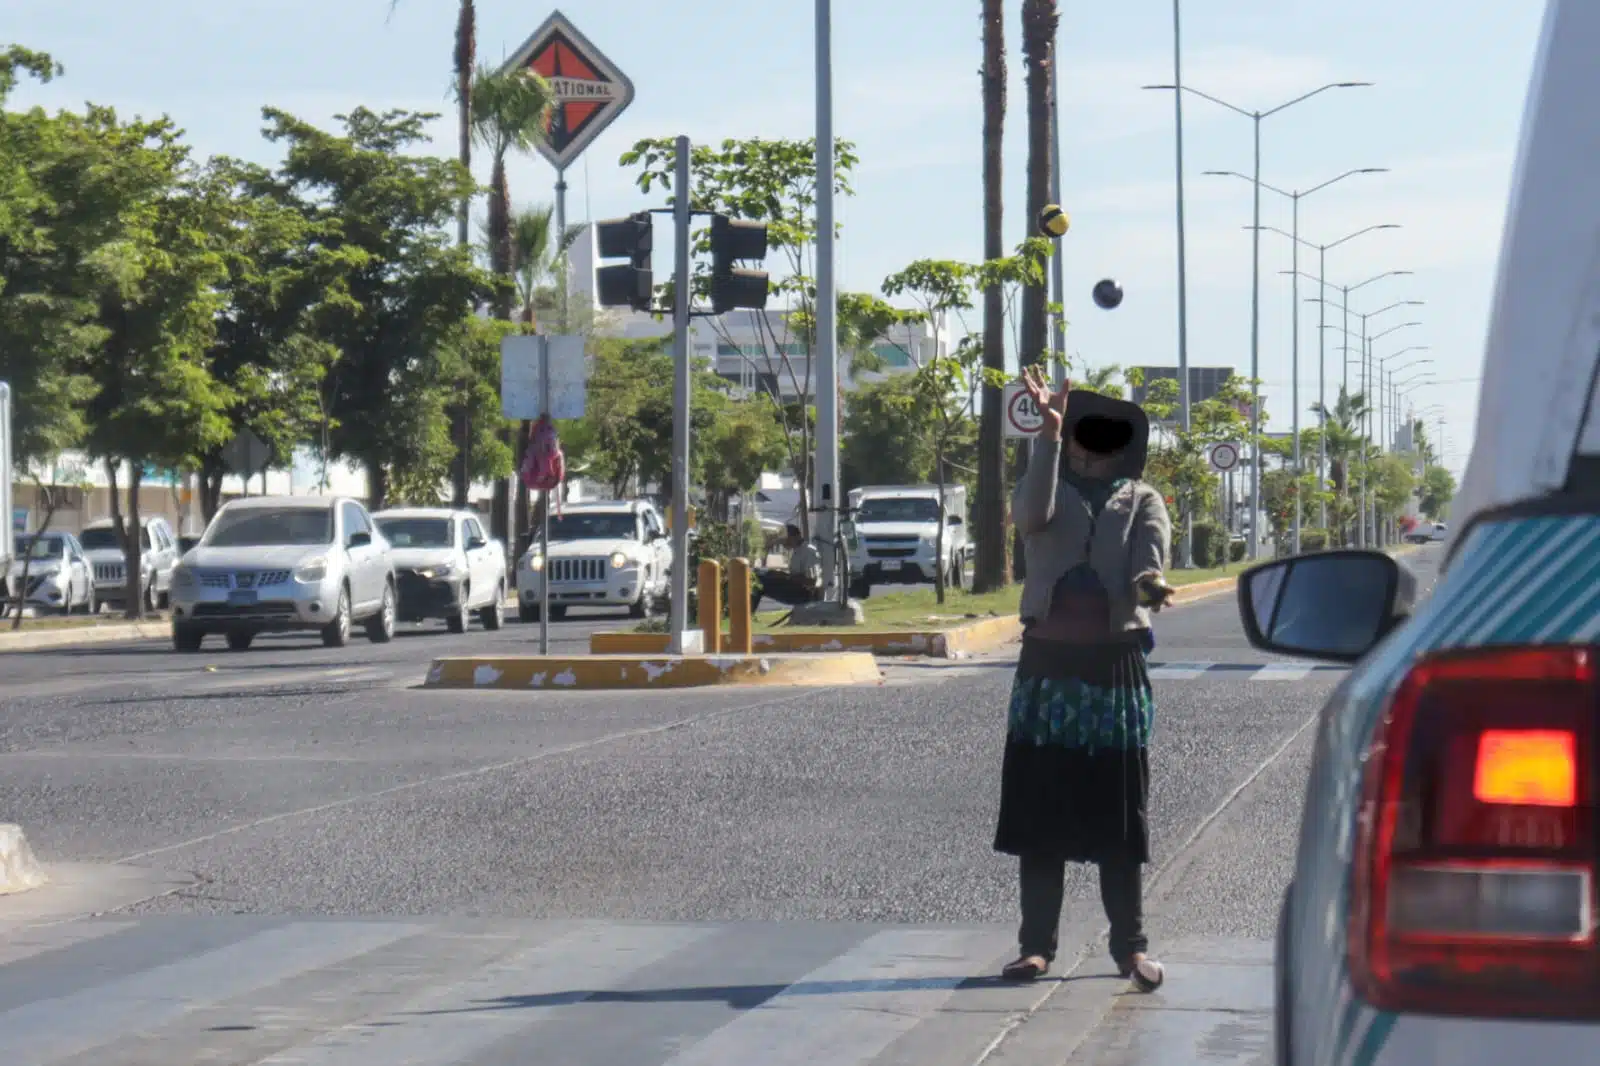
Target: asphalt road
292,781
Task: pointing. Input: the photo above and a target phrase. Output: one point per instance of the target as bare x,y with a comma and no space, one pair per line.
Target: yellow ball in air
1053,221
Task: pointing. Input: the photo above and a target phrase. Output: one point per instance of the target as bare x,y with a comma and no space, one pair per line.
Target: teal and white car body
1521,577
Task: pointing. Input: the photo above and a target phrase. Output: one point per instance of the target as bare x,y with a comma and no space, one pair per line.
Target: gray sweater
1129,540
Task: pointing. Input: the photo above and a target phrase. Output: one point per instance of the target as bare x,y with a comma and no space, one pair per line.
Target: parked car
158,554
602,554
285,563
58,574
445,565
1442,906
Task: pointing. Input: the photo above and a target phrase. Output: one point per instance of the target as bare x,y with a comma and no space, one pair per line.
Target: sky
1442,113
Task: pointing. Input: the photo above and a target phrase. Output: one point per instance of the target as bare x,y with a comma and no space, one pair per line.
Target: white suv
158,555
612,554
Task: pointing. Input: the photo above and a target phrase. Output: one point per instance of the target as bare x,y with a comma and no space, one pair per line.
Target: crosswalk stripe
847,1011
1179,671
453,1024
55,1028
1283,672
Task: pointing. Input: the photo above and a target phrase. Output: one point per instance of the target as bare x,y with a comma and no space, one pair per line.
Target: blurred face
1097,465
1097,445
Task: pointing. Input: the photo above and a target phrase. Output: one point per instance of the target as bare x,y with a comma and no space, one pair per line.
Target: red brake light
1527,767
1473,888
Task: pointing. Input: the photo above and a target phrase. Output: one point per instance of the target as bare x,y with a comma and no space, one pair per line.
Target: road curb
955,643
25,639
19,870
544,673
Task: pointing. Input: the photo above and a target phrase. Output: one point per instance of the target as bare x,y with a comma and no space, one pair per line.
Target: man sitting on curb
800,583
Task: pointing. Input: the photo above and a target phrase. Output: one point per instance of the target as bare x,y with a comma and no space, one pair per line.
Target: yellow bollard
710,600
738,607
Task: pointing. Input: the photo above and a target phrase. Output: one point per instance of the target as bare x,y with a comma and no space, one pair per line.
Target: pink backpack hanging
544,466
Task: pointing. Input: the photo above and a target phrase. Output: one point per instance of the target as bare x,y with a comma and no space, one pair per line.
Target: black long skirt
1075,780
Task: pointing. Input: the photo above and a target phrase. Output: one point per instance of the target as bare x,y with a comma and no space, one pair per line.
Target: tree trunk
377,486
500,263
51,503
524,513
129,533
211,475
1039,19
991,519
463,58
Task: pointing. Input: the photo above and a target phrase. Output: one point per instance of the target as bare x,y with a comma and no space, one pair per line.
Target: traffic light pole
825,371
678,616
544,520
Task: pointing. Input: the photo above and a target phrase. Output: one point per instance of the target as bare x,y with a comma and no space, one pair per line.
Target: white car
613,554
445,565
59,578
285,563
158,555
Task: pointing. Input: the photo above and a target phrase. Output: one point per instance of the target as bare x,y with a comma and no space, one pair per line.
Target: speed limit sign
1224,456
1023,420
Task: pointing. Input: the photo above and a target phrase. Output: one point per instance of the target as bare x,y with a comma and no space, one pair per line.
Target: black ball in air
1107,294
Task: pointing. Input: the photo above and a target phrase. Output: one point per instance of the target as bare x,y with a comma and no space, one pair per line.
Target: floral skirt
1075,779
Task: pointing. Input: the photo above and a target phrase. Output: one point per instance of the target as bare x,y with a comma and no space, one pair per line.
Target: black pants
784,587
1121,892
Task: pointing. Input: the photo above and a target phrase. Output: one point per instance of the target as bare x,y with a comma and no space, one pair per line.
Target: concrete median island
648,671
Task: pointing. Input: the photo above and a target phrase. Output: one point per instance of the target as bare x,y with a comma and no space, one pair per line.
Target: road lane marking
1284,672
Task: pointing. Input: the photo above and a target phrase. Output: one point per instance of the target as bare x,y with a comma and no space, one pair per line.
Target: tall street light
826,368
1295,197
1369,512
1322,344
1178,89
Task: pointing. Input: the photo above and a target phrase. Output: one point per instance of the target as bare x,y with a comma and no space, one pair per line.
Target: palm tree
1039,20
510,112
989,571
1346,447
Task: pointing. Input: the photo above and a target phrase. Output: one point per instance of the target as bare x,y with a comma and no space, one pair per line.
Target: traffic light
731,242
629,284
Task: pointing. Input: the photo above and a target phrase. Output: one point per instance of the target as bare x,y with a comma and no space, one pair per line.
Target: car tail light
1474,876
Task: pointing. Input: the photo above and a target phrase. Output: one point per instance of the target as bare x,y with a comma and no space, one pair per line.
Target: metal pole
1058,337
826,371
1294,374
678,617
1322,387
543,345
1366,433
1186,554
561,228
1255,355
1345,303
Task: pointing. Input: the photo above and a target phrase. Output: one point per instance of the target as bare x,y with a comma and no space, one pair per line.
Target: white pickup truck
897,536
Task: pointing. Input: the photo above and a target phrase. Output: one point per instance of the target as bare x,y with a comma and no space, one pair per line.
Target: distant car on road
1427,532
158,554
602,554
445,566
59,578
285,563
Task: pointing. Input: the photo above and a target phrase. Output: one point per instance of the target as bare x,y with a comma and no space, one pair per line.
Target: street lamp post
1294,198
1178,88
1369,513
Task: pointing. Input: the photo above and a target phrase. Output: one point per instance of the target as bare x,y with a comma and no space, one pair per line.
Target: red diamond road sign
590,91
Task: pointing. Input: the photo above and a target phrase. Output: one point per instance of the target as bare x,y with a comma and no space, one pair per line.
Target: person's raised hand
1052,403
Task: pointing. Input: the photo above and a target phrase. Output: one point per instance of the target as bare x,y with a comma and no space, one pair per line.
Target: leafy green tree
1438,489
740,442
158,404
60,210
402,289
883,440
265,355
1390,481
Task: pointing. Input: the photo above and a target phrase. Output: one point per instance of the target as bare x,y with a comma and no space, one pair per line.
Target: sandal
1146,973
1026,968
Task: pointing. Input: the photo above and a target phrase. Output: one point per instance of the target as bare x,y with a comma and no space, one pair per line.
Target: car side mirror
475,543
359,540
1335,605
953,520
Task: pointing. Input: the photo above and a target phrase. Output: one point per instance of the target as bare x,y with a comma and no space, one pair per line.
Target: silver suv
158,555
285,563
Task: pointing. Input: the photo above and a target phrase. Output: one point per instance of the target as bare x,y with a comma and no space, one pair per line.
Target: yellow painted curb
544,673
954,643
1199,590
